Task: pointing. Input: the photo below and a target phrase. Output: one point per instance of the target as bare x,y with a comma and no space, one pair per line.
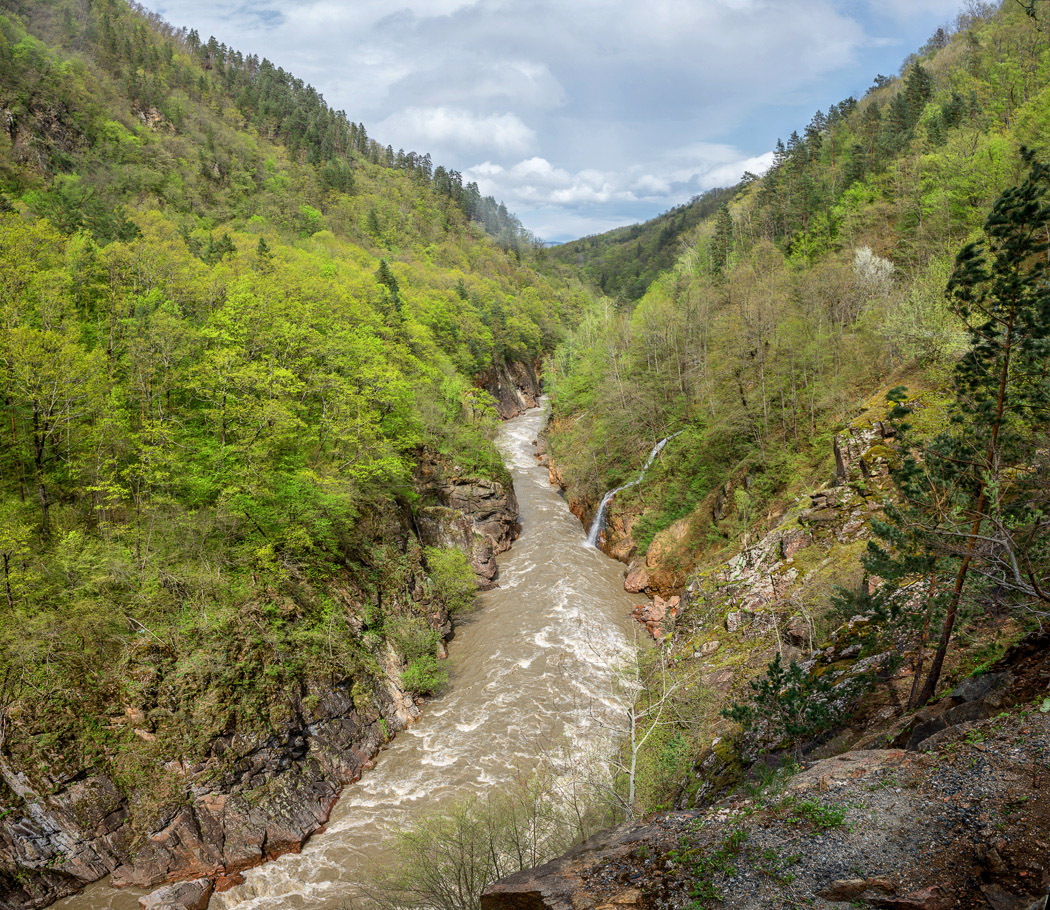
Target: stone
666,542
798,631
709,647
637,580
477,516
738,620
847,889
225,882
514,387
794,541
180,896
976,687
721,505
926,899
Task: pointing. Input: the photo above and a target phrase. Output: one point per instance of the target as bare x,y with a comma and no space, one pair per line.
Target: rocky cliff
249,795
515,387
476,515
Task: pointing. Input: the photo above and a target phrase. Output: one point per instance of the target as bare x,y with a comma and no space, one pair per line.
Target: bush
417,643
454,581
796,705
423,676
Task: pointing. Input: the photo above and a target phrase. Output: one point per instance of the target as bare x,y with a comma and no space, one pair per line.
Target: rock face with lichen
514,386
477,515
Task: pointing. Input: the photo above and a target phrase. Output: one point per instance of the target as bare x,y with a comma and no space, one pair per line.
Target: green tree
974,499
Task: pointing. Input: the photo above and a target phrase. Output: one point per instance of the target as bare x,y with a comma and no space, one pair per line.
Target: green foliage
809,813
794,703
454,580
417,643
707,863
972,499
623,263
211,403
792,301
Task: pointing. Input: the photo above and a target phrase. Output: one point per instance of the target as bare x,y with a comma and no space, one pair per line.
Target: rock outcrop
476,515
251,799
514,386
961,826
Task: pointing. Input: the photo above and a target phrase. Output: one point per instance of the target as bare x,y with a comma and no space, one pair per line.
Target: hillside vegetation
888,253
811,289
232,324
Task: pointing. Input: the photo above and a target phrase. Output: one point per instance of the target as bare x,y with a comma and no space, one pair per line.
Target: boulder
637,579
798,631
180,896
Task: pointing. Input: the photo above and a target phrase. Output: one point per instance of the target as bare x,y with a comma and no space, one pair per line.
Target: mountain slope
770,349
622,263
239,364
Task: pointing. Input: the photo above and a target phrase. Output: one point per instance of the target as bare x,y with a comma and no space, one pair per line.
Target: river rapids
531,670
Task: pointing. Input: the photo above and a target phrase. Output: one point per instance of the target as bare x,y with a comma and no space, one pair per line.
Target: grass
808,812
704,864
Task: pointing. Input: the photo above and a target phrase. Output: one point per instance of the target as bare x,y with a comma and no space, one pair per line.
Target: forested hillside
811,289
624,262
851,357
235,330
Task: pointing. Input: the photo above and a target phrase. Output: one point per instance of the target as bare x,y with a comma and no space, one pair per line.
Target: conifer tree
973,501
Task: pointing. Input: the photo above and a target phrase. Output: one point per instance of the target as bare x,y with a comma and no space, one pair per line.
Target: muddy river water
529,669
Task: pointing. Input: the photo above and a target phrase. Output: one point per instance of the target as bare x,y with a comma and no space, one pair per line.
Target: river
529,668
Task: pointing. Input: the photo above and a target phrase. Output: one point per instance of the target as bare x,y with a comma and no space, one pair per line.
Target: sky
580,115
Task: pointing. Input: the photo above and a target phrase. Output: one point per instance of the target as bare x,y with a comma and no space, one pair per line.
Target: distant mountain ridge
623,262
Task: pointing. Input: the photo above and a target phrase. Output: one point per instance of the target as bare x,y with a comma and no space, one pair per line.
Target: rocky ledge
478,516
962,825
515,386
250,800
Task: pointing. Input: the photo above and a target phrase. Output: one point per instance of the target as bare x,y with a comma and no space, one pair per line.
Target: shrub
793,703
417,644
454,581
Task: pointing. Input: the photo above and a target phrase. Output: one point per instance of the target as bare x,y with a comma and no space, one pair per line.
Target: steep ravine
530,670
527,670
250,797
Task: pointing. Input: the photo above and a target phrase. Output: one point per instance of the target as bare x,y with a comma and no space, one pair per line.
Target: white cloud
456,129
577,106
534,184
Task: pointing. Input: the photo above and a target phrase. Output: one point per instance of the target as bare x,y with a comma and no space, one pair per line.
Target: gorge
533,670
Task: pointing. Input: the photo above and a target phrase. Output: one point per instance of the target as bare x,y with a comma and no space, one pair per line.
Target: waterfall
599,518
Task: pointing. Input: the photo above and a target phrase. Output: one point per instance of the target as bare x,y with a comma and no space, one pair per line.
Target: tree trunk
971,545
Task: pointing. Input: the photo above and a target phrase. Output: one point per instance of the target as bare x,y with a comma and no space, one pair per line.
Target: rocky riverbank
925,810
945,808
249,795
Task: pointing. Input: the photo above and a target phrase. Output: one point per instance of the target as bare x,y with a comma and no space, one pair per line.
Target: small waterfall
599,518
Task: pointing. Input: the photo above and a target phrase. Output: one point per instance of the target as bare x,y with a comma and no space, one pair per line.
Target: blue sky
582,115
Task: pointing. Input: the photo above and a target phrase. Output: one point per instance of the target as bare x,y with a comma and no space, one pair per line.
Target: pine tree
974,501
